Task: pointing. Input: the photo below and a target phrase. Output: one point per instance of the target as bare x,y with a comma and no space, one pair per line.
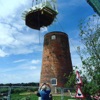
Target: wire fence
29,93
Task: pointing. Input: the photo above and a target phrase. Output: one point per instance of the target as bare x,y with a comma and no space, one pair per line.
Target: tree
90,54
71,80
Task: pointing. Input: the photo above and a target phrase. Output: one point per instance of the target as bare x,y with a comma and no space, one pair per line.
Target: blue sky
20,46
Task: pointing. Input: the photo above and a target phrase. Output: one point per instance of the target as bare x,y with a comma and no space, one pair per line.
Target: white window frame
53,37
54,79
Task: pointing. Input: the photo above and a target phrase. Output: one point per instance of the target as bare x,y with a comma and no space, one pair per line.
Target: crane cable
60,24
35,3
37,18
32,2
70,39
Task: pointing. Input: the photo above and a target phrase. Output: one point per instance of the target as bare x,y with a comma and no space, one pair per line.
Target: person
44,91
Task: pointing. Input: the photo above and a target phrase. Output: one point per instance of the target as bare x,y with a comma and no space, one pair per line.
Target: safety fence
29,93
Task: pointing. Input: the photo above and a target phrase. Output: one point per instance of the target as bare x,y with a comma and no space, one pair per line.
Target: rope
39,36
60,24
32,2
39,26
70,40
74,48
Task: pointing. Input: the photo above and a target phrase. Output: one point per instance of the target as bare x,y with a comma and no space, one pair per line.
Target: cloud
20,77
15,36
25,72
35,61
18,61
8,8
22,68
2,53
30,75
74,43
25,64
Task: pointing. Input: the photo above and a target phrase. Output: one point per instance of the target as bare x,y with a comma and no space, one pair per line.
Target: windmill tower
56,62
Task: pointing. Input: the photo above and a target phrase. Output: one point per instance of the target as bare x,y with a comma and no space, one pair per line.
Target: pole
9,93
62,94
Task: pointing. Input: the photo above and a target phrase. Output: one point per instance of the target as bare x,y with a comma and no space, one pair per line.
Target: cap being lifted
42,14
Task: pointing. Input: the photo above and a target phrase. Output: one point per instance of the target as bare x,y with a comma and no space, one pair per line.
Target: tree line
20,84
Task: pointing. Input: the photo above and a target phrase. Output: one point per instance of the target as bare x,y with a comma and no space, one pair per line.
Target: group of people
44,92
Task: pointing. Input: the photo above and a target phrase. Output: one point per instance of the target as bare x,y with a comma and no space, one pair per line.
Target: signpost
79,84
78,79
79,93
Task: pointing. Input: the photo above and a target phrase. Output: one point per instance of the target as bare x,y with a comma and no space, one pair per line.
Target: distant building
95,4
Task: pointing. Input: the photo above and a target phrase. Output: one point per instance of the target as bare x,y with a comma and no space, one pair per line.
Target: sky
21,47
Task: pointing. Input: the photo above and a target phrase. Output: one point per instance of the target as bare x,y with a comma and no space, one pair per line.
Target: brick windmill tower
56,62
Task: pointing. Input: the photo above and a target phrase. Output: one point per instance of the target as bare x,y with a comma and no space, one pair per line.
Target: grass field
27,96
24,97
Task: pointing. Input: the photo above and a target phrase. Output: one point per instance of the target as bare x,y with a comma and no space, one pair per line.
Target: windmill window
54,81
53,37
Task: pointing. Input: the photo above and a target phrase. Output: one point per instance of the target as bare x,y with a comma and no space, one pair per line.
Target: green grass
34,97
60,98
23,97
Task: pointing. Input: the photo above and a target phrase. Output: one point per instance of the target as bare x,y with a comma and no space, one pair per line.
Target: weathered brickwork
56,62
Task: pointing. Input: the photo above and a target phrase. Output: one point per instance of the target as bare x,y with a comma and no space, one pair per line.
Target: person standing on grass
44,91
